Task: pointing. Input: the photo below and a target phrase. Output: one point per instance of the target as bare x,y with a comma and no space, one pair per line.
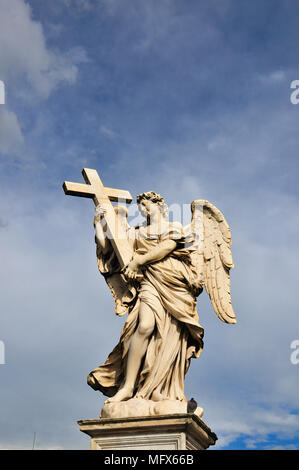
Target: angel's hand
99,214
132,270
99,211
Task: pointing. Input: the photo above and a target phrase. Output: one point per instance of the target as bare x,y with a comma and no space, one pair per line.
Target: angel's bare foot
123,394
157,396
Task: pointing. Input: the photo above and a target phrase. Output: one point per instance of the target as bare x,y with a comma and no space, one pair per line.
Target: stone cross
102,196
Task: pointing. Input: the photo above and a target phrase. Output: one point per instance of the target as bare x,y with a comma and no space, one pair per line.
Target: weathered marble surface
140,407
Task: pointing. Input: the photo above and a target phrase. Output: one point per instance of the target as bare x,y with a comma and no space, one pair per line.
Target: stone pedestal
164,432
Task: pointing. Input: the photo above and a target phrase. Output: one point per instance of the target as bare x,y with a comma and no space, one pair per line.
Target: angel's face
148,208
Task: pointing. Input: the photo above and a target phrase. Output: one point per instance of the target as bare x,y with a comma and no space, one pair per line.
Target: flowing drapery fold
168,290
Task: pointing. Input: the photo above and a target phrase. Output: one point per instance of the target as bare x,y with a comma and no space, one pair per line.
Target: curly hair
155,198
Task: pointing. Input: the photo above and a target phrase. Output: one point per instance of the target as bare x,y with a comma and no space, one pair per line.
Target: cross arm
78,189
94,189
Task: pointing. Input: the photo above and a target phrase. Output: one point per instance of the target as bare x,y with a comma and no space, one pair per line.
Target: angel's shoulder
173,230
132,232
175,225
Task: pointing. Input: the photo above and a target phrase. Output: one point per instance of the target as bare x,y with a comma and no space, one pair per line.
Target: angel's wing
212,256
123,292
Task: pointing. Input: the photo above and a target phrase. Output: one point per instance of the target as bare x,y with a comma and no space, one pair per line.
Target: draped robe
169,287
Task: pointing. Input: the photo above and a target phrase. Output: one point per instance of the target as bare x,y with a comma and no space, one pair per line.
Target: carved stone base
168,432
136,407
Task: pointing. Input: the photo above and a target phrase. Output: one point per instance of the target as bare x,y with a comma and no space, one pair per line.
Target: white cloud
11,136
109,133
277,76
28,67
24,55
274,77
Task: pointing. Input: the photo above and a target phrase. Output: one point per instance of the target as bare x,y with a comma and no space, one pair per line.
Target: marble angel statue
170,267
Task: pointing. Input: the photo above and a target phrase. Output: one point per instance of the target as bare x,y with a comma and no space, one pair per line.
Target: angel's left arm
156,253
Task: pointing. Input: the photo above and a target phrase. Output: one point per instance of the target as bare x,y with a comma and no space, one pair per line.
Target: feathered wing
212,256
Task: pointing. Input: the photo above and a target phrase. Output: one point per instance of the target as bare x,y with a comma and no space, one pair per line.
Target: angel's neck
155,219
157,226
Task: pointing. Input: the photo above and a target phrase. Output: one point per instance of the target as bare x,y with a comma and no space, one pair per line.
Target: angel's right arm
100,237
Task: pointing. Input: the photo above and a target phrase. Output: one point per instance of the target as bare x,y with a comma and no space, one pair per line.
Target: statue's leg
137,350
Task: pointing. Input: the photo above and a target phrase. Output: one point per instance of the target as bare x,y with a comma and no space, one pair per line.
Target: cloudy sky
190,99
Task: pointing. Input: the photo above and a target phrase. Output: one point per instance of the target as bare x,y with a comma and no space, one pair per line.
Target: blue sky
190,99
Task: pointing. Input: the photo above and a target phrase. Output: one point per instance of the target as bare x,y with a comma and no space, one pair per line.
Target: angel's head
151,203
